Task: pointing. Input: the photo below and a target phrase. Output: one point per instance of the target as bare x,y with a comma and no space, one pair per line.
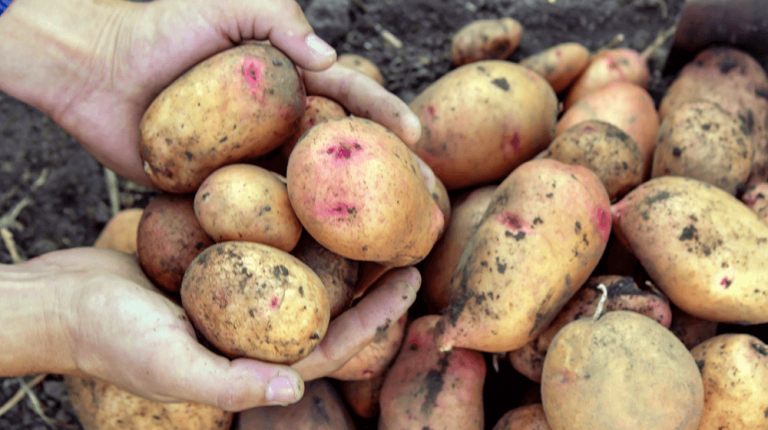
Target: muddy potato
529,417
756,198
121,232
482,120
362,65
252,300
362,396
486,39
169,238
317,110
236,105
611,65
623,371
700,140
560,65
734,368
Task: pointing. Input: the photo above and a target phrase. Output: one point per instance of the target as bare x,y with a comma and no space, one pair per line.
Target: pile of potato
593,244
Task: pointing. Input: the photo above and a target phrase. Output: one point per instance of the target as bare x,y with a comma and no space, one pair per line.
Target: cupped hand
121,329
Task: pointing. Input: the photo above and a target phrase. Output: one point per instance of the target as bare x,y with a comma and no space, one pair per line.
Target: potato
440,264
235,106
734,368
604,149
362,396
102,406
482,120
611,65
623,294
121,232
560,65
428,389
698,243
375,358
542,235
247,203
702,141
321,408
486,39
252,300
362,65
622,371
359,192
529,417
755,199
532,396
169,238
691,330
318,109
625,105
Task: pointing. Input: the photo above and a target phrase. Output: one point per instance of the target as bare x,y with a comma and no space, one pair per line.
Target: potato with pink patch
317,110
756,198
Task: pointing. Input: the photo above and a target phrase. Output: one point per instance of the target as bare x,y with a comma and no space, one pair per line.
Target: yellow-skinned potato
362,65
734,368
756,198
542,235
700,245
248,203
485,39
560,65
121,232
252,300
482,120
318,109
237,105
529,417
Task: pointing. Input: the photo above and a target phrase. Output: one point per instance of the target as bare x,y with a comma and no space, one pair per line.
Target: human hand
98,65
119,328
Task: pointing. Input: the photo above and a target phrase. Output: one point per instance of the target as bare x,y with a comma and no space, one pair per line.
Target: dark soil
69,202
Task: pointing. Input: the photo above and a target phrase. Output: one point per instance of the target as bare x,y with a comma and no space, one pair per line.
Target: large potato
317,110
482,120
234,106
252,300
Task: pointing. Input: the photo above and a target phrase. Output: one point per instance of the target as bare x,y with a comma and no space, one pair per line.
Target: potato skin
247,203
317,110
234,106
362,65
375,358
755,199
363,396
734,368
560,65
691,330
623,371
486,39
698,244
121,232
611,65
482,120
252,300
529,417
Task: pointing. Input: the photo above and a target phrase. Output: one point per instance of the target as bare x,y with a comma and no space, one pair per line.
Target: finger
363,97
353,330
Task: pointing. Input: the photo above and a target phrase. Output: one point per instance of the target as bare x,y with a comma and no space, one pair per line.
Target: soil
69,204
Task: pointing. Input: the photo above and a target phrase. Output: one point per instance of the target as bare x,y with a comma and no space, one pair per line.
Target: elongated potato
482,120
317,110
121,232
485,39
560,65
701,246
611,65
529,417
542,235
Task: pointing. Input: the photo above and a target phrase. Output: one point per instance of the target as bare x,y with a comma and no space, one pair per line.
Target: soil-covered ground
61,190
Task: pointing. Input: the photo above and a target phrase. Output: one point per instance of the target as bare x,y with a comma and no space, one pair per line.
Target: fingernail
280,391
318,45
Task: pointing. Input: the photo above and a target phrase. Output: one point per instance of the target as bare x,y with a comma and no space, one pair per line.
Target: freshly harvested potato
611,65
252,300
702,141
437,190
362,65
529,417
734,368
100,405
623,294
755,199
482,120
560,65
363,396
318,109
375,358
485,39
321,408
428,389
440,264
235,106
698,244
543,233
623,371
169,238
691,330
247,203
604,149
358,190
121,232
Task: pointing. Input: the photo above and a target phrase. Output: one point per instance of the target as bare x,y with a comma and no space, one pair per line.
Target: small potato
121,232
169,238
318,109
375,358
700,140
362,65
691,330
529,417
734,368
560,65
363,396
252,300
611,65
756,198
247,203
487,39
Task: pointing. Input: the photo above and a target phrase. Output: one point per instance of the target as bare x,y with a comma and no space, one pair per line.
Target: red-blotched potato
375,358
691,330
169,238
235,106
611,65
252,300
541,237
359,192
318,109
362,65
623,371
247,203
121,232
755,199
363,396
529,417
699,244
485,39
560,65
734,368
482,120
702,141
100,405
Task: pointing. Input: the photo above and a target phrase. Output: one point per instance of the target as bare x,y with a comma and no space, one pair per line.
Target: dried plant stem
601,303
10,244
113,190
20,394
